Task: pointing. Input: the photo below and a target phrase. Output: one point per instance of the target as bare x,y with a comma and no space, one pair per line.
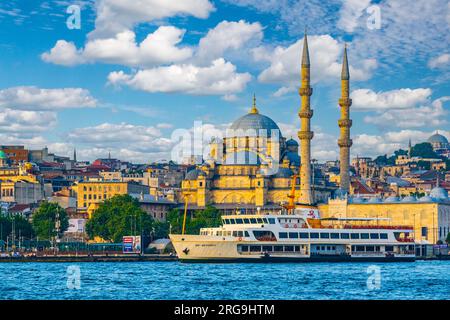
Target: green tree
448,238
424,150
44,220
118,217
207,218
22,226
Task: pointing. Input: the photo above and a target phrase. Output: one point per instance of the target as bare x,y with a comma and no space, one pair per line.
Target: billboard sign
132,244
76,225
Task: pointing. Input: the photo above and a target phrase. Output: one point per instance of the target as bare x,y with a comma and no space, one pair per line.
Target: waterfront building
15,153
155,206
91,193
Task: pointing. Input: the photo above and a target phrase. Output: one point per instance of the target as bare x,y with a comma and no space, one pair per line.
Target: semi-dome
194,174
426,199
437,138
284,173
409,199
439,193
391,199
374,200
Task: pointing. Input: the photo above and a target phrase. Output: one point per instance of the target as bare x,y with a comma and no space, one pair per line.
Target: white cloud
25,122
440,61
220,78
34,98
157,48
432,115
350,13
325,55
367,99
115,16
228,35
63,53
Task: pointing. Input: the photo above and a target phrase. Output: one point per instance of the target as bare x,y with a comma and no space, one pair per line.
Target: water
174,280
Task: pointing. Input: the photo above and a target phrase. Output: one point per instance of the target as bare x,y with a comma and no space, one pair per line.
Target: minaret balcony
305,135
305,91
306,114
345,143
345,123
345,102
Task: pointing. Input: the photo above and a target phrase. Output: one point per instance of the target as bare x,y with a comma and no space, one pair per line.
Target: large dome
255,121
437,138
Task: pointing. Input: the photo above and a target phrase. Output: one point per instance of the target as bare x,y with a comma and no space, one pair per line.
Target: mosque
239,172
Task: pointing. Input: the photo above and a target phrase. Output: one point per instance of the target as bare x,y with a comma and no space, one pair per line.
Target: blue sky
137,70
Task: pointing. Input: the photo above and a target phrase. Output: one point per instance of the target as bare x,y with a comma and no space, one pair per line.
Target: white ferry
298,237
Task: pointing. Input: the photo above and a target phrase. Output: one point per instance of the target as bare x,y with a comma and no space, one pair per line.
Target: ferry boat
299,236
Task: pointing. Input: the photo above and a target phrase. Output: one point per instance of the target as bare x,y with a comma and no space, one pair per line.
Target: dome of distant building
439,193
437,138
194,174
294,158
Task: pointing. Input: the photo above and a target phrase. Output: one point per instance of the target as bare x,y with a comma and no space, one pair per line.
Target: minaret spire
254,110
74,155
305,134
345,123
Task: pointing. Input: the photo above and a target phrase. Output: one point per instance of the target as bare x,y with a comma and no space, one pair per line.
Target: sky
124,75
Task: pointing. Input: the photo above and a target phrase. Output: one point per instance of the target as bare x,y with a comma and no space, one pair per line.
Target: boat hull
194,249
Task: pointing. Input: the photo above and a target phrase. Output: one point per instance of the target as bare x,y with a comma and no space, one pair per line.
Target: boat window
253,220
271,220
304,235
289,248
232,221
240,234
358,248
283,235
293,235
297,248
374,236
239,221
267,248
314,235
228,233
334,235
244,248
345,236
225,221
370,248
324,235
383,236
355,235
277,248
246,220
255,248
260,220
246,234
235,233
364,236
389,248
265,220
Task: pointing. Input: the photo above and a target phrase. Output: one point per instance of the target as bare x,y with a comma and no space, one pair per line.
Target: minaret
345,123
305,134
74,155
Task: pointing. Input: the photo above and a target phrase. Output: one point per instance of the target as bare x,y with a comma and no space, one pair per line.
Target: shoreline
85,258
